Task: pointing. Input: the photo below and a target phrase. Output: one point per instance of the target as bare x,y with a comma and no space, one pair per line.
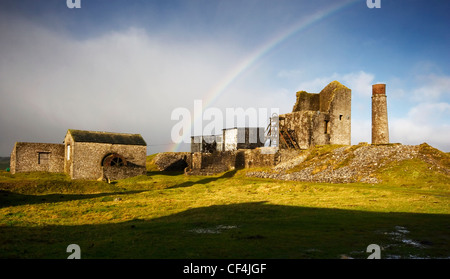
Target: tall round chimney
380,130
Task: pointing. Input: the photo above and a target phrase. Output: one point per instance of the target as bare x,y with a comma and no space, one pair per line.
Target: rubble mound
356,163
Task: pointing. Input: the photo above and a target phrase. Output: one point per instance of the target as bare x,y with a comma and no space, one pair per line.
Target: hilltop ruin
318,119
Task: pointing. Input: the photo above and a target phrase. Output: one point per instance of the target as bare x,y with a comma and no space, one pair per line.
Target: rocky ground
357,163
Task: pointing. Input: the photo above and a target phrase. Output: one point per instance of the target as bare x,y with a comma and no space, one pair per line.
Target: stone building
84,155
103,155
231,139
27,156
318,119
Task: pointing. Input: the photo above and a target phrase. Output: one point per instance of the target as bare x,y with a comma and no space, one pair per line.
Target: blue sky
125,65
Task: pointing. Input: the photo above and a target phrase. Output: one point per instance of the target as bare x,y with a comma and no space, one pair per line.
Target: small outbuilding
32,156
104,155
84,155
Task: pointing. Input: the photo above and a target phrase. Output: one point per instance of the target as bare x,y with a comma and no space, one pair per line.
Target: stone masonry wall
340,117
254,158
318,119
86,159
212,163
27,157
306,101
301,123
380,130
173,161
115,173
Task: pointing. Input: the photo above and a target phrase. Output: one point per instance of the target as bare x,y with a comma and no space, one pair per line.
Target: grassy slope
4,163
170,215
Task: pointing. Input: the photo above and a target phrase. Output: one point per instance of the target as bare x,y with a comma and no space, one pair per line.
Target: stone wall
306,101
211,163
27,157
85,160
340,116
217,162
301,125
251,158
173,161
318,119
121,172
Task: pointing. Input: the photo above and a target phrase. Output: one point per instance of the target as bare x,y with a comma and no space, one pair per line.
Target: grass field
4,163
170,215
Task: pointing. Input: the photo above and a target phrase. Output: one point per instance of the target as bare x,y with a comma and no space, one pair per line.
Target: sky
128,65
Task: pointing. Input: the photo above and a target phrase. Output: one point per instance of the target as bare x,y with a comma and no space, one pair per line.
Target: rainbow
265,48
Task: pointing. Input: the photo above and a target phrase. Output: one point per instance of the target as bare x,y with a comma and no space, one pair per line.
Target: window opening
43,158
327,126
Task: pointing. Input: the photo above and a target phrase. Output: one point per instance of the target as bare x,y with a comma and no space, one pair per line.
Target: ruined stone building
318,119
84,155
235,148
231,139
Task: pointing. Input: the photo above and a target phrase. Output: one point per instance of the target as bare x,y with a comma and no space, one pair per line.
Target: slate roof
107,137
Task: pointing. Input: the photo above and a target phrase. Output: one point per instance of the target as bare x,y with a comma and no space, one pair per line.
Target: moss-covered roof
106,137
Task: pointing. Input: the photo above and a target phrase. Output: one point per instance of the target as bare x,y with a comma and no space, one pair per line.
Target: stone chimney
380,130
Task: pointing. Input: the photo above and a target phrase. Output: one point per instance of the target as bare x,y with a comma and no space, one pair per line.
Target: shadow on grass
8,198
165,173
206,180
240,231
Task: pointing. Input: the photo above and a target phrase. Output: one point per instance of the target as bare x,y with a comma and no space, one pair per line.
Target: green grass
170,215
4,163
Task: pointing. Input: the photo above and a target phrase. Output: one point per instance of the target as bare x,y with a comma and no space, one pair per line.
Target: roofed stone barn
104,155
84,155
